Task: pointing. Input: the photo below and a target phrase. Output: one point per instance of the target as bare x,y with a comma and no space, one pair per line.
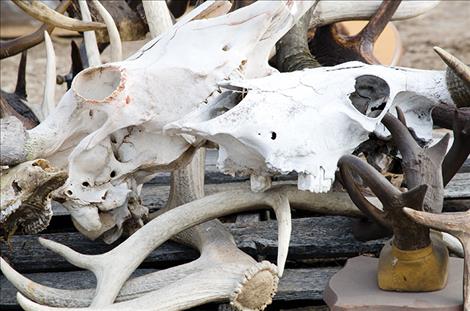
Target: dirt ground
447,26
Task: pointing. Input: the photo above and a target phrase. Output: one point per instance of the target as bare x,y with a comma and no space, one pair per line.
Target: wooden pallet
319,245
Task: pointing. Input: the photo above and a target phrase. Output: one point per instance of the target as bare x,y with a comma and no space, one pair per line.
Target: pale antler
114,37
48,102
112,277
91,45
457,224
42,12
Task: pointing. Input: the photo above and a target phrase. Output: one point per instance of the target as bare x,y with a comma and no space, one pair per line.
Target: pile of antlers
121,123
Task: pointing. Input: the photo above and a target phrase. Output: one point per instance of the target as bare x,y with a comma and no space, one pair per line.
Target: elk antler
42,12
331,47
457,224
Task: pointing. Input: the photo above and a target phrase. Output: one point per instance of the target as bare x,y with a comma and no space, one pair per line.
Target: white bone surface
108,128
304,121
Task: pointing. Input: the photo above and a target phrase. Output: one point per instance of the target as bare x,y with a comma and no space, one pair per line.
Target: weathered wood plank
459,187
154,195
296,284
323,238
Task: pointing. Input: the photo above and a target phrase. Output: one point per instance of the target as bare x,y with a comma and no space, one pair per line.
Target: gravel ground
447,26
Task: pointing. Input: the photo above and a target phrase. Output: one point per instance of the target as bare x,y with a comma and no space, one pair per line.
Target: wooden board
326,239
296,284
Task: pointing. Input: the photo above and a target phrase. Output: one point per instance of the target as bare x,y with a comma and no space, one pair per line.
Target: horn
457,78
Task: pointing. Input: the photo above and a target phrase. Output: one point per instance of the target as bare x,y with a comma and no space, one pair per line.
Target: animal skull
109,124
304,121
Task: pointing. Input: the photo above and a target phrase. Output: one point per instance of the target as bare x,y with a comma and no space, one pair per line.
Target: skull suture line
304,121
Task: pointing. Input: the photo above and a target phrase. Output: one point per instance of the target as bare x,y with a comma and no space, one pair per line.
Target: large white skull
305,121
110,122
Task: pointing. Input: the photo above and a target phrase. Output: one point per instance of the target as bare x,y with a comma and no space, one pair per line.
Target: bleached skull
110,122
305,121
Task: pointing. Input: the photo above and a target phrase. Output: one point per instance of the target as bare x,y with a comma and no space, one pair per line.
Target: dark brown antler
460,149
330,47
457,224
408,235
77,66
419,164
12,104
15,46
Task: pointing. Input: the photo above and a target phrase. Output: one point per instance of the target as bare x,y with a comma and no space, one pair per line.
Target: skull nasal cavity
97,83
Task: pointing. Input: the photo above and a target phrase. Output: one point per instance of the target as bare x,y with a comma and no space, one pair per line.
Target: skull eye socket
371,94
108,78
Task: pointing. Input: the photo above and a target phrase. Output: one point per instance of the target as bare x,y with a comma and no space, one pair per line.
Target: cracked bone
304,121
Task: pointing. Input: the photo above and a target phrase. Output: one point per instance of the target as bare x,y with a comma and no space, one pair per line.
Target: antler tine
15,46
371,32
42,12
331,47
460,148
457,224
91,45
401,136
111,277
458,67
114,37
457,78
20,88
48,103
379,185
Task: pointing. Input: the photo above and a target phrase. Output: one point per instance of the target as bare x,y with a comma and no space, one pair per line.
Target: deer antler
419,166
111,277
457,224
332,48
15,46
42,12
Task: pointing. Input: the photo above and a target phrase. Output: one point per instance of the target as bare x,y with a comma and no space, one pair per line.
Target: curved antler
457,78
42,12
419,164
460,148
457,224
370,176
331,48
15,46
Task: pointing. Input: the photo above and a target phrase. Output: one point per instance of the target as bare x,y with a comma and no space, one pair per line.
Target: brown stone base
355,288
